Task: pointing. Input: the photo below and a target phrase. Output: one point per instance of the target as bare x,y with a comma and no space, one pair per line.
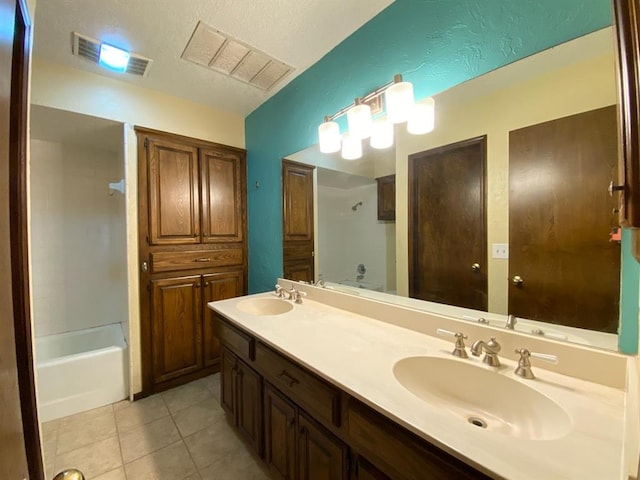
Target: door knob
475,267
517,280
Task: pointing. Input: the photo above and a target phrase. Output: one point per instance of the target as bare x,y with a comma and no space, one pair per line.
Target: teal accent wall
629,293
435,44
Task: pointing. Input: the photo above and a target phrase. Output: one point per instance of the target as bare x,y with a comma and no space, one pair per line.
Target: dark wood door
228,362
447,225
176,319
222,186
217,286
560,216
280,435
321,456
297,220
173,189
19,437
363,470
249,406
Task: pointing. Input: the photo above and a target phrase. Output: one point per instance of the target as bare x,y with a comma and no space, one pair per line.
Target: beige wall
577,88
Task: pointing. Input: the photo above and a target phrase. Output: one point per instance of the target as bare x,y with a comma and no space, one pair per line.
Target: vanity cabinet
312,429
241,398
192,248
296,447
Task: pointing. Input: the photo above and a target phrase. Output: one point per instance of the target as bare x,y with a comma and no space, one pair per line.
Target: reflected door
447,228
563,268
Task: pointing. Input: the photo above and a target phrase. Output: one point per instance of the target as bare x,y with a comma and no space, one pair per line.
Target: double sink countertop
358,353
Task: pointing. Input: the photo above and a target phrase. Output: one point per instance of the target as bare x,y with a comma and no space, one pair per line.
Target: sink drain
478,422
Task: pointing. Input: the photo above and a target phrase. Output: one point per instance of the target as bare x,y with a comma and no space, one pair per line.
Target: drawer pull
202,260
287,379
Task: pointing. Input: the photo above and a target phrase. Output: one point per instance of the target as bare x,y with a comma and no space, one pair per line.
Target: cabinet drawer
401,454
232,338
311,393
182,260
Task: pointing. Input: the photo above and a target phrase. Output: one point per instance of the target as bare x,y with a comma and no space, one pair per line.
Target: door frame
412,203
19,238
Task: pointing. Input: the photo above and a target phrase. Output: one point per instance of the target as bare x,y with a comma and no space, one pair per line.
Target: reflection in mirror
357,253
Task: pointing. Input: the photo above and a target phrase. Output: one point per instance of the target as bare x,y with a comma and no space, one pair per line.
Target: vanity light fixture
400,108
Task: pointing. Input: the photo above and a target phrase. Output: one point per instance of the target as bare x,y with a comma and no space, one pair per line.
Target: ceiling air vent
89,49
215,50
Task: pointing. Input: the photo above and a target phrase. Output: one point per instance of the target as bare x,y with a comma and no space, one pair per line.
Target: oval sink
264,306
483,398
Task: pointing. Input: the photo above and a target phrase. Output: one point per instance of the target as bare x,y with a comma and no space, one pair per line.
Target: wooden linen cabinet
192,244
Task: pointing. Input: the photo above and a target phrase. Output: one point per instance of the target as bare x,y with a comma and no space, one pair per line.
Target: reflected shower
355,207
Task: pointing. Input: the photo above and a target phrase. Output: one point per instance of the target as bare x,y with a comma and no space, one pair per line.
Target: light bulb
351,147
359,120
382,134
422,117
329,137
399,101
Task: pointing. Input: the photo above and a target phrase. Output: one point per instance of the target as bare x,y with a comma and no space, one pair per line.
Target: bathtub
78,371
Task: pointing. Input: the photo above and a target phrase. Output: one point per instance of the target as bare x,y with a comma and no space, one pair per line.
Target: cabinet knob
197,285
614,188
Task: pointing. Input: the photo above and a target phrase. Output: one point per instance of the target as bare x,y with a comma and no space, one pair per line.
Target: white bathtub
81,370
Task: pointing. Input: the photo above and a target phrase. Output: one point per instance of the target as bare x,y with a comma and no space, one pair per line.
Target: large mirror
535,125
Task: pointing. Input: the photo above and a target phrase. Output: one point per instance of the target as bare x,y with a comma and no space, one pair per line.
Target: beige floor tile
92,460
84,416
148,438
50,430
182,397
117,474
195,476
213,443
140,413
121,404
49,455
199,416
85,431
170,463
240,465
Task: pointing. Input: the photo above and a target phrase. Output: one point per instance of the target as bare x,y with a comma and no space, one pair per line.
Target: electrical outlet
500,250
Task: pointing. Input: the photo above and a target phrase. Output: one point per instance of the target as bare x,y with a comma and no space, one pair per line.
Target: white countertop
357,353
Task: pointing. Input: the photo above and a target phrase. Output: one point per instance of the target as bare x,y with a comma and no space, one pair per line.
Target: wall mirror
531,119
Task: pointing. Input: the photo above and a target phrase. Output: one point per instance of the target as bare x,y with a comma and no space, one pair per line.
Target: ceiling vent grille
217,51
89,49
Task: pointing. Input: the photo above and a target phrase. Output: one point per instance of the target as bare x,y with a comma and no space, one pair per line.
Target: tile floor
180,434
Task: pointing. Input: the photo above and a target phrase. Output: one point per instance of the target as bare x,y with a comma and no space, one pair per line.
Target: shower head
355,207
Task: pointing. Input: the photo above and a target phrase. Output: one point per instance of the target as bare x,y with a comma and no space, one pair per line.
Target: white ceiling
297,32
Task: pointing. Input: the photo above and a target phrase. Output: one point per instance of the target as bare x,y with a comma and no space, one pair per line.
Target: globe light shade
382,134
399,101
351,146
329,137
422,117
359,120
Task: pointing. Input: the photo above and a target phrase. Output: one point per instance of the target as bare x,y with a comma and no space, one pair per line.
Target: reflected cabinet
192,245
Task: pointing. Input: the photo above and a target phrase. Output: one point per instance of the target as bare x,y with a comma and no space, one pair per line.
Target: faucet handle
297,296
524,364
279,291
459,349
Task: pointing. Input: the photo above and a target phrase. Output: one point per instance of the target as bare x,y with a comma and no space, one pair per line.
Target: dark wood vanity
304,427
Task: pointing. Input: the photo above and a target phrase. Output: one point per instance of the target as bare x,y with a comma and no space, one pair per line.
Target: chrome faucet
319,283
459,348
296,295
524,364
511,322
490,348
280,291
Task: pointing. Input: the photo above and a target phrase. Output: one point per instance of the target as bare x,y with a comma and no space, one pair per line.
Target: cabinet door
217,286
321,456
223,198
249,405
176,322
386,197
279,431
228,363
297,221
174,198
363,470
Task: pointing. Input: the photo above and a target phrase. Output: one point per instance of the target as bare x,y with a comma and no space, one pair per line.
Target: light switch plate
500,250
